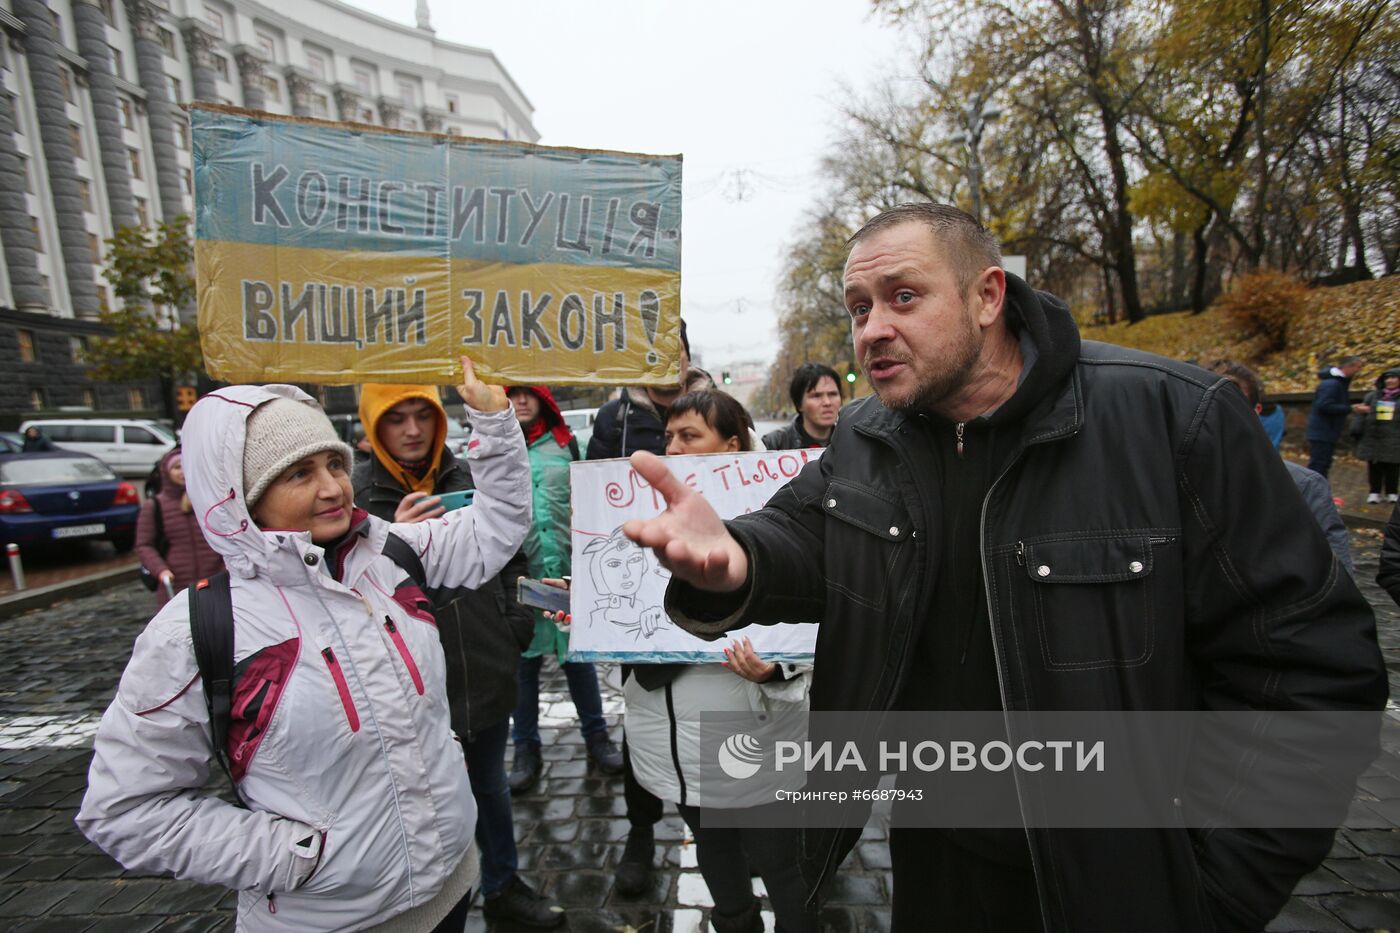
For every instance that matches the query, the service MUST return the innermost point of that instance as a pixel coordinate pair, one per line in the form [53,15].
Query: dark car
[49,498]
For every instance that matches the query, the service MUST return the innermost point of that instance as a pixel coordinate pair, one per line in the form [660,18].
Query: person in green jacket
[552,448]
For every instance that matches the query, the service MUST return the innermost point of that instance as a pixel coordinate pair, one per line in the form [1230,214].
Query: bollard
[16,568]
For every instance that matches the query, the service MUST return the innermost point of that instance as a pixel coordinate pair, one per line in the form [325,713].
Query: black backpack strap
[402,553]
[573,448]
[211,628]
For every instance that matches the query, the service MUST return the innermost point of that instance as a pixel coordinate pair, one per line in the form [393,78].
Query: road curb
[44,596]
[1356,520]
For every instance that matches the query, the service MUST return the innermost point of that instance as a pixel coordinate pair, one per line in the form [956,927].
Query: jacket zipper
[959,429]
[997,649]
[394,633]
[343,688]
[675,745]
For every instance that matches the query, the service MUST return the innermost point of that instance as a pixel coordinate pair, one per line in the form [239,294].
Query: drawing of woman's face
[621,570]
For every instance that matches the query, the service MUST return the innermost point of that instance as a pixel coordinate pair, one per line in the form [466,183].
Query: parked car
[580,421]
[11,442]
[457,437]
[129,447]
[48,498]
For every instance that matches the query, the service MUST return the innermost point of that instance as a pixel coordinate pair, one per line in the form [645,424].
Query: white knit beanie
[280,433]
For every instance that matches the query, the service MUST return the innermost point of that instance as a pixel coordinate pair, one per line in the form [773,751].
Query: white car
[129,447]
[580,421]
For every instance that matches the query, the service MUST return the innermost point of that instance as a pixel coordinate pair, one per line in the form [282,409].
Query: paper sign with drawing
[619,588]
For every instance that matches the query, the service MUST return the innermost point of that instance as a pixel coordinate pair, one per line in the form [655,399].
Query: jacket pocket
[863,568]
[259,683]
[1093,597]
[397,637]
[352,716]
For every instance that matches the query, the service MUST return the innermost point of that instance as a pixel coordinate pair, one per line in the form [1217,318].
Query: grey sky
[748,92]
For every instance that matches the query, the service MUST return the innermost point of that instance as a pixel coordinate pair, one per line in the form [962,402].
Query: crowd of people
[379,658]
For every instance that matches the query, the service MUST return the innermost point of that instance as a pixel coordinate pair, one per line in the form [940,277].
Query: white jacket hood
[212,440]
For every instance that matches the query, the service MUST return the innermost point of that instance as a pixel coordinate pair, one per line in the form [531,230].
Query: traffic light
[851,376]
[725,377]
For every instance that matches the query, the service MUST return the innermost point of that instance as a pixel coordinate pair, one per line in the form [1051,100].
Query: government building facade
[93,137]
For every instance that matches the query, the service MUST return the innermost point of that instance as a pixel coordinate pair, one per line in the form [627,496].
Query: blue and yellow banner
[339,253]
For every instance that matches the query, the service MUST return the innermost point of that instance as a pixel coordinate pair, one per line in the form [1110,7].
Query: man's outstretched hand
[689,539]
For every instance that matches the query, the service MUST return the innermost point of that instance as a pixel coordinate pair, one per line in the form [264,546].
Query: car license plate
[79,531]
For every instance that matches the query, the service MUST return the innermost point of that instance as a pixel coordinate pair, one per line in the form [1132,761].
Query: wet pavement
[61,665]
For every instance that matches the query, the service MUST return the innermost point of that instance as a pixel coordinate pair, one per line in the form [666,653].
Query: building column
[199,46]
[389,113]
[41,54]
[91,26]
[299,88]
[250,74]
[16,234]
[347,103]
[161,113]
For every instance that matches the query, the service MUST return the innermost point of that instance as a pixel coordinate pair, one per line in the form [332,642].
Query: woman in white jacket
[359,810]
[665,704]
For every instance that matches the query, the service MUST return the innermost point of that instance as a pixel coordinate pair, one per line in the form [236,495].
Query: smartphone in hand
[539,595]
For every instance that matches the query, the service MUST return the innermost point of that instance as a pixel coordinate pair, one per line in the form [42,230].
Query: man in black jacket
[816,394]
[1019,521]
[483,631]
[1331,405]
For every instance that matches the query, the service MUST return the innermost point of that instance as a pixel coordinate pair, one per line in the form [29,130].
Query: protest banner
[618,588]
[340,253]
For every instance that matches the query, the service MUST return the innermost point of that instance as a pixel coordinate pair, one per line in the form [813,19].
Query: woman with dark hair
[664,704]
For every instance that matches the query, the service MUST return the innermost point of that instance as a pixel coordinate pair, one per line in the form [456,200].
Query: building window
[36,399]
[128,114]
[77,346]
[38,240]
[136,399]
[134,159]
[177,92]
[109,11]
[95,246]
[26,345]
[167,42]
[268,45]
[65,81]
[216,19]
[75,136]
[118,62]
[454,131]
[142,217]
[220,66]
[408,123]
[364,80]
[271,88]
[320,105]
[28,179]
[85,192]
[104,302]
[316,63]
[90,399]
[452,103]
[57,26]
[366,115]
[182,134]
[408,93]
[187,180]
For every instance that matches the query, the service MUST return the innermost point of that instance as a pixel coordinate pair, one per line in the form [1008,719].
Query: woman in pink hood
[168,540]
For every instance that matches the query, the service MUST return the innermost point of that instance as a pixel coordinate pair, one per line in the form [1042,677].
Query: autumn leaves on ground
[1316,326]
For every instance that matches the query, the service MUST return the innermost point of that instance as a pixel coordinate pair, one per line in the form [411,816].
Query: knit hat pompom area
[280,433]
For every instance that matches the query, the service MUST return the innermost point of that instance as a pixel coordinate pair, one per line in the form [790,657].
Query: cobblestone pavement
[60,667]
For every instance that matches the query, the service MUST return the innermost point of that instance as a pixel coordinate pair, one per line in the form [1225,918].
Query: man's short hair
[969,246]
[1242,376]
[1349,360]
[806,379]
